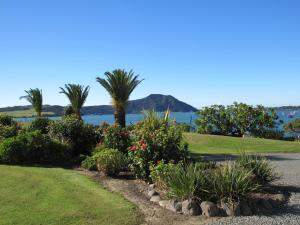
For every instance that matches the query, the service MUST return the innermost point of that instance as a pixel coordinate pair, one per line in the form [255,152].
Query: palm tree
[77,94]
[35,98]
[120,84]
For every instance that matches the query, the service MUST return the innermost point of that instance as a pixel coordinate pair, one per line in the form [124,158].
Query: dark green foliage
[119,84]
[77,95]
[8,131]
[33,148]
[160,171]
[39,123]
[110,161]
[89,163]
[188,181]
[116,137]
[6,120]
[154,140]
[231,183]
[259,166]
[68,111]
[237,120]
[35,98]
[69,130]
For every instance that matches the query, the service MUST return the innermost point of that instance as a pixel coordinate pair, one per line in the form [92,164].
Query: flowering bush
[116,137]
[153,145]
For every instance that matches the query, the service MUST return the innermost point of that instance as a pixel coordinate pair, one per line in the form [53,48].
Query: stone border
[259,204]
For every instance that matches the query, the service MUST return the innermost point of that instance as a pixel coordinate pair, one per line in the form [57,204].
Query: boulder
[163,203]
[155,198]
[231,209]
[152,193]
[191,208]
[174,206]
[151,187]
[209,209]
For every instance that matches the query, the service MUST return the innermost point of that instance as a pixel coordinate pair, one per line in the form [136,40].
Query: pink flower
[133,148]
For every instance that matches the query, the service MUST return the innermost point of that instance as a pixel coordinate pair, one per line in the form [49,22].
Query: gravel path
[289,166]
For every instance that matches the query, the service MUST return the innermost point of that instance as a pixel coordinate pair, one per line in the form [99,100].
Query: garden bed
[164,211]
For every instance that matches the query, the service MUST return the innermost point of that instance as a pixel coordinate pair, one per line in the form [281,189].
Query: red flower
[133,148]
[142,142]
[144,147]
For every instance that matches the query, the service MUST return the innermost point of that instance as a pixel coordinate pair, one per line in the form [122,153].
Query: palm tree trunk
[120,116]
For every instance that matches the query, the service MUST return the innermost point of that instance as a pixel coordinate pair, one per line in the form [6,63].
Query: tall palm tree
[35,98]
[77,94]
[120,84]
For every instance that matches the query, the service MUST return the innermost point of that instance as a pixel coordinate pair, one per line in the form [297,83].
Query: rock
[231,209]
[151,187]
[163,203]
[174,206]
[262,207]
[209,209]
[155,198]
[245,209]
[277,199]
[152,193]
[191,208]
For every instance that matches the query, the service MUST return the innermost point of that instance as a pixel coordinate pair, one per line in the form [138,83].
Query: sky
[202,52]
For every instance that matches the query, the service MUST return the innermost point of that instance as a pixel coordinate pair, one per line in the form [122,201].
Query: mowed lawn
[214,144]
[46,196]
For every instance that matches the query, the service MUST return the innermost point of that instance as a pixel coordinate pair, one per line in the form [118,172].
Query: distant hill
[157,102]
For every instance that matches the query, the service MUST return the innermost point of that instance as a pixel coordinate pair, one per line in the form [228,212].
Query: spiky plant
[77,95]
[120,84]
[35,98]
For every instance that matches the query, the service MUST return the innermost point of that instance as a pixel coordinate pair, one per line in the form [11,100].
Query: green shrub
[89,163]
[259,166]
[187,182]
[159,172]
[33,148]
[69,130]
[231,183]
[152,145]
[7,120]
[39,123]
[110,161]
[116,137]
[8,131]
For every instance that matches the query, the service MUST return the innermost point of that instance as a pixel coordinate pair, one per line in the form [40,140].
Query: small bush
[7,120]
[69,130]
[110,161]
[259,166]
[159,172]
[231,183]
[39,123]
[148,145]
[8,131]
[116,137]
[187,182]
[33,148]
[89,163]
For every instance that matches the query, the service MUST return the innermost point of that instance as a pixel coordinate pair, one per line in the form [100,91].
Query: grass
[213,144]
[24,113]
[54,196]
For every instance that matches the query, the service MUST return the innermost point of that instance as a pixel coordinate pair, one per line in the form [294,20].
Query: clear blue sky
[202,52]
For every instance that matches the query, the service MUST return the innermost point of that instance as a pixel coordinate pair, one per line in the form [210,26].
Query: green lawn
[46,196]
[25,113]
[213,144]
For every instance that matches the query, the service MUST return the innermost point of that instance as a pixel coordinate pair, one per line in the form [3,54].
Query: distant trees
[293,126]
[237,120]
[77,95]
[35,98]
[120,84]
